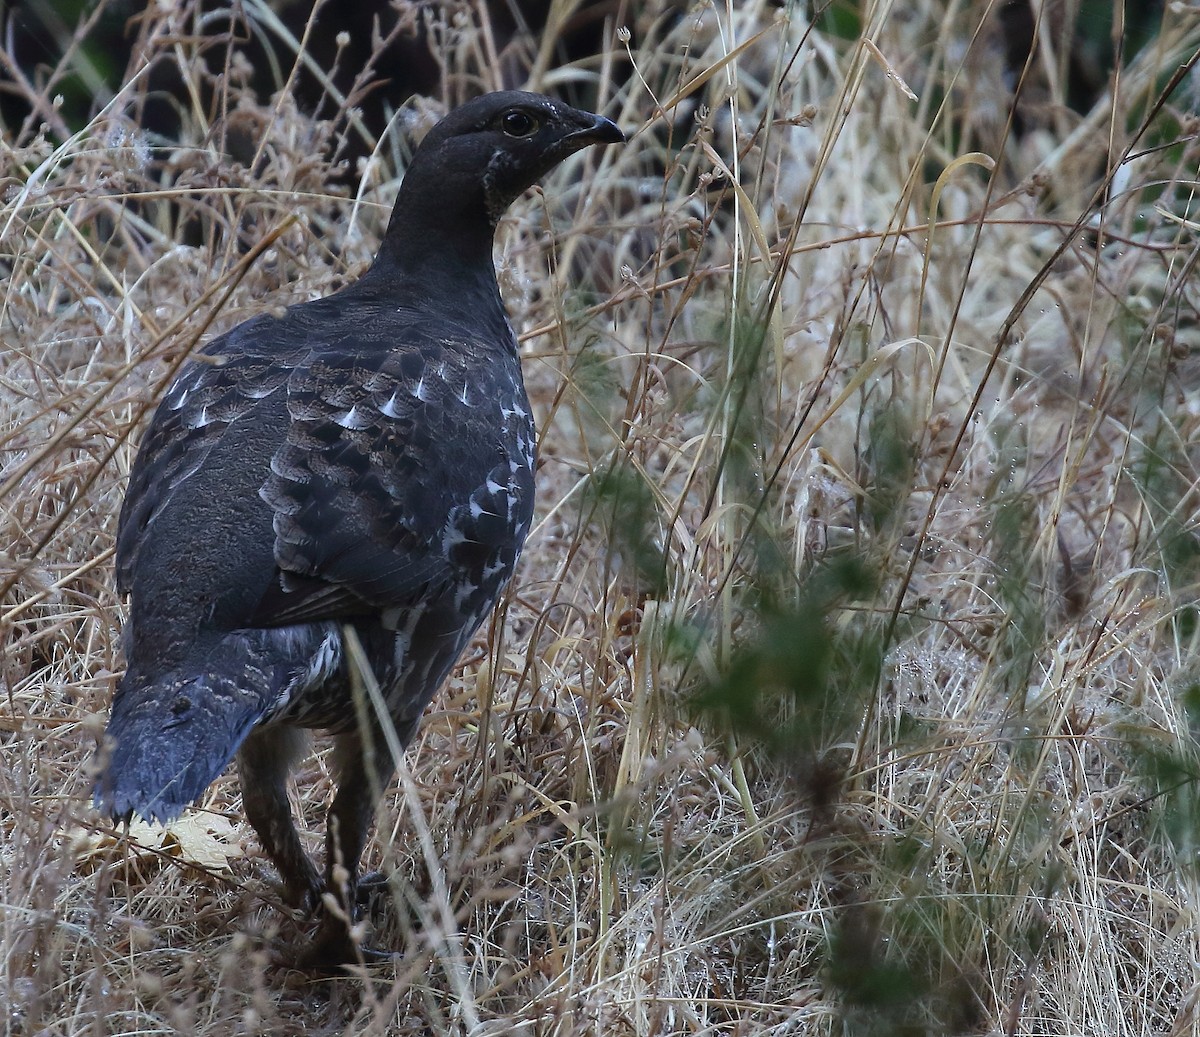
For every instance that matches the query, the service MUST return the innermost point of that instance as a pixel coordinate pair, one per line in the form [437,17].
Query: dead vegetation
[847,684]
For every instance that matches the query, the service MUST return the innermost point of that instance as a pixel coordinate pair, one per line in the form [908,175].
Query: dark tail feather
[169,738]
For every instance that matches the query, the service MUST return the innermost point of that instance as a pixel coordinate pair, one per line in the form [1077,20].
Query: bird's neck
[440,239]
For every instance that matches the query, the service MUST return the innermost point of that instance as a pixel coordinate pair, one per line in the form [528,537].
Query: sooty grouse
[364,459]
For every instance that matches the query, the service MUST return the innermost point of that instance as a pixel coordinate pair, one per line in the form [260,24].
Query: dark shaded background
[100,38]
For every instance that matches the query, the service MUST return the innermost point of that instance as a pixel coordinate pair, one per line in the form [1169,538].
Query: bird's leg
[362,767]
[263,764]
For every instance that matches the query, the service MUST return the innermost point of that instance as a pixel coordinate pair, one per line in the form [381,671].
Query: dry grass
[888,453]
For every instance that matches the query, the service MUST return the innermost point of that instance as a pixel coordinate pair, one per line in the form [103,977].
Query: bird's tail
[170,735]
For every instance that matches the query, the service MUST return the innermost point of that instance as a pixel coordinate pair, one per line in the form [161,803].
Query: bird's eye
[518,123]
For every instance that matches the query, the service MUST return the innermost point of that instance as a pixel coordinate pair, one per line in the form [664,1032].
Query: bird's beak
[602,131]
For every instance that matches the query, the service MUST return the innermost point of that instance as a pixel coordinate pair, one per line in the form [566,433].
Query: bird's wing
[383,447]
[397,480]
[210,394]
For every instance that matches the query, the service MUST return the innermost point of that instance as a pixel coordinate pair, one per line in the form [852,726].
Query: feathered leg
[363,768]
[264,761]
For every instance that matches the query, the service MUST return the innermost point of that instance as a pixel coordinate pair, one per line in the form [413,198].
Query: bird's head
[500,144]
[470,168]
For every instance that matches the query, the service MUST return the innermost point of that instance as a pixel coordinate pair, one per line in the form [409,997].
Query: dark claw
[371,887]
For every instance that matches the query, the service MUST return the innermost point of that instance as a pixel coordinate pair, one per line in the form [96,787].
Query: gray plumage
[363,459]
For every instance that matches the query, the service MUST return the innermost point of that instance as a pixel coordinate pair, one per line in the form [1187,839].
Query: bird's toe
[370,890]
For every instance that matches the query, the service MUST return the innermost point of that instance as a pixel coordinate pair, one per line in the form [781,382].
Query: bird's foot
[299,885]
[338,947]
[303,894]
[371,888]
